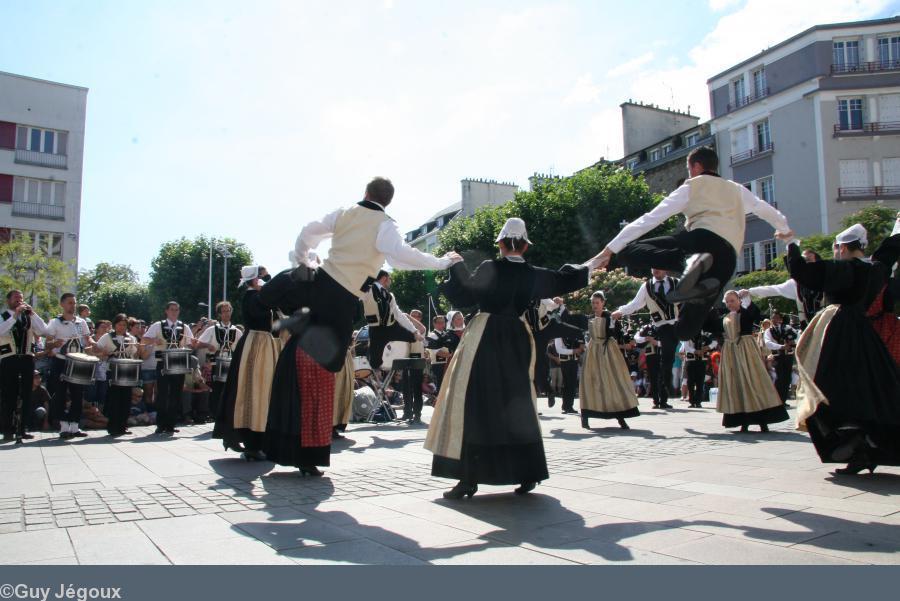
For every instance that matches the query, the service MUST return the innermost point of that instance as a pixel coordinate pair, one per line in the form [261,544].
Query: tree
[41,278]
[130,298]
[618,286]
[180,270]
[92,281]
[878,221]
[569,220]
[767,278]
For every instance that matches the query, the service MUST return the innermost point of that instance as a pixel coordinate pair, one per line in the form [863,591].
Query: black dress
[854,385]
[245,396]
[485,428]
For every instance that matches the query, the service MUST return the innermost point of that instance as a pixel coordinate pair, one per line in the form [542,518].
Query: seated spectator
[429,390]
[195,396]
[140,414]
[40,402]
[91,417]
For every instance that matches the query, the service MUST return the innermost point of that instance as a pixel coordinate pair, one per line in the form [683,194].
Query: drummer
[117,344]
[167,334]
[66,334]
[220,340]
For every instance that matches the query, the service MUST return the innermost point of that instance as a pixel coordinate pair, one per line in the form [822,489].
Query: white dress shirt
[155,331]
[68,330]
[209,336]
[38,326]
[389,242]
[675,203]
[400,317]
[562,349]
[640,300]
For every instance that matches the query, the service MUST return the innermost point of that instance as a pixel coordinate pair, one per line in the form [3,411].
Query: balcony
[873,67]
[41,159]
[870,193]
[742,102]
[38,210]
[752,154]
[876,128]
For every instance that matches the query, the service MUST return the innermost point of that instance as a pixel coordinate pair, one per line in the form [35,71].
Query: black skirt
[502,441]
[224,428]
[861,381]
[772,415]
[633,412]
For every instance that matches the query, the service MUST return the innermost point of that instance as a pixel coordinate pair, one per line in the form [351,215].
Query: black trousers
[412,393]
[118,405]
[696,375]
[570,383]
[437,373]
[15,382]
[168,400]
[668,344]
[381,336]
[653,375]
[62,392]
[784,371]
[670,253]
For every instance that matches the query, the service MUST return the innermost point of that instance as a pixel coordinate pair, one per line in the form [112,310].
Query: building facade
[41,156]
[476,193]
[812,125]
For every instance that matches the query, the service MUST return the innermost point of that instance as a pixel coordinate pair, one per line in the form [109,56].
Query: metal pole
[209,290]
[225,274]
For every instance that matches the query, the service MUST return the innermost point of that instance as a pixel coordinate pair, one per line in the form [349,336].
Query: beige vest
[715,204]
[353,257]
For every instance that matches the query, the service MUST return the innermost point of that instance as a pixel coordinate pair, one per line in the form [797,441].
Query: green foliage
[92,282]
[569,220]
[618,286]
[819,243]
[130,298]
[878,221]
[767,278]
[40,278]
[180,270]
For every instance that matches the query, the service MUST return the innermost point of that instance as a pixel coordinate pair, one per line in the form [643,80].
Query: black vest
[19,331]
[222,333]
[172,336]
[665,306]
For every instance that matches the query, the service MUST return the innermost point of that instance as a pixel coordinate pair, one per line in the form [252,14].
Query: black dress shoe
[462,489]
[79,434]
[856,465]
[622,424]
[253,456]
[311,470]
[526,488]
[763,428]
[745,428]
[27,436]
[551,401]
[584,422]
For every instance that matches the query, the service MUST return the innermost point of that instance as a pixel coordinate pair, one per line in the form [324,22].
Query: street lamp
[225,255]
[222,248]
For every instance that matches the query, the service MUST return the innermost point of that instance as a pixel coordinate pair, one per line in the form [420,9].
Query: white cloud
[720,5]
[630,66]
[584,91]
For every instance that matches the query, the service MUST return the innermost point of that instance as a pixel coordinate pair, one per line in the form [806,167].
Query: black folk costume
[485,427]
[244,406]
[17,335]
[781,341]
[386,323]
[746,393]
[67,396]
[543,317]
[224,337]
[715,209]
[809,302]
[849,394]
[301,412]
[606,391]
[696,356]
[118,400]
[168,386]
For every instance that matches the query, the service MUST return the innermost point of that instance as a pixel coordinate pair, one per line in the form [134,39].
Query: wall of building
[49,105]
[483,193]
[643,126]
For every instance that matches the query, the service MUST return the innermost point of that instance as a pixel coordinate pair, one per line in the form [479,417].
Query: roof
[456,206]
[814,28]
[666,139]
[55,83]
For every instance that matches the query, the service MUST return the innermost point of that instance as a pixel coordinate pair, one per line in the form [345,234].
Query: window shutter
[61,142]
[21,137]
[6,188]
[7,135]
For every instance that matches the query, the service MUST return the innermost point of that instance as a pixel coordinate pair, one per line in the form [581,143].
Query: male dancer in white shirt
[715,210]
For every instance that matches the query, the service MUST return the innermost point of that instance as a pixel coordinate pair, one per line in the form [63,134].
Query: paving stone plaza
[675,489]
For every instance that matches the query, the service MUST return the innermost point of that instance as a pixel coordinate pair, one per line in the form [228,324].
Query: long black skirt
[772,415]
[283,440]
[224,428]
[502,442]
[861,381]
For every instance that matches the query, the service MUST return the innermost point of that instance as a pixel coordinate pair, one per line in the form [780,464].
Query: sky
[250,119]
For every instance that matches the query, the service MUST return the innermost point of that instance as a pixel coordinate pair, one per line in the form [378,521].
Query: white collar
[515,258]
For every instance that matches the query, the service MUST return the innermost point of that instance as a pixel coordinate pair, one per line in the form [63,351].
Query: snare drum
[221,367]
[362,369]
[124,372]
[176,361]
[394,350]
[80,369]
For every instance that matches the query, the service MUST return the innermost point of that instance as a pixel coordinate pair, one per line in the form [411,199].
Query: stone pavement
[676,489]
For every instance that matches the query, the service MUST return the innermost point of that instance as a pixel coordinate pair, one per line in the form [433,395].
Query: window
[889,52]
[850,113]
[692,139]
[749,257]
[41,140]
[770,253]
[740,93]
[39,191]
[765,188]
[48,243]
[632,164]
[846,54]
[855,173]
[763,138]
[667,149]
[890,172]
[759,82]
[749,186]
[654,154]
